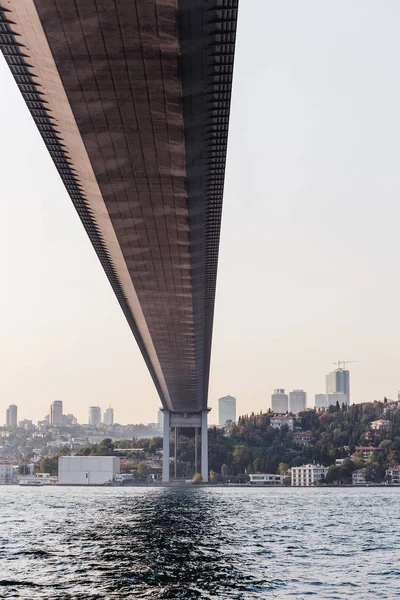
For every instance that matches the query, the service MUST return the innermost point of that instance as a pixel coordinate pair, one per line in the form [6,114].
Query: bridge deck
[132,99]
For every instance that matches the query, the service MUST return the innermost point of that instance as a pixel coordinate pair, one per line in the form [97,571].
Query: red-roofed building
[366,451]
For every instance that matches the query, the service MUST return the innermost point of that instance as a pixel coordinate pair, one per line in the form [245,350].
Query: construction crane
[342,363]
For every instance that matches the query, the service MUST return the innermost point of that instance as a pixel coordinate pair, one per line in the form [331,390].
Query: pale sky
[309,260]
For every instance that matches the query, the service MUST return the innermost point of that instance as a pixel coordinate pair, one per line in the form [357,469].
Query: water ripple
[128,543]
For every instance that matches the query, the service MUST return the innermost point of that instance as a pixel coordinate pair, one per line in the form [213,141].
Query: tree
[333,474]
[375,473]
[224,470]
[213,476]
[241,456]
[142,471]
[106,447]
[197,478]
[283,468]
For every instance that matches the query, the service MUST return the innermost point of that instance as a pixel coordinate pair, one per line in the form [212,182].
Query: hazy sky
[309,260]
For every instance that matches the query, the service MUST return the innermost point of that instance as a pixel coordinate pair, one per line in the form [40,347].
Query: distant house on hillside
[366,451]
[380,424]
[278,421]
[302,438]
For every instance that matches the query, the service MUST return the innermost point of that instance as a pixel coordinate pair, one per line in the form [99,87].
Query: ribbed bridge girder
[132,99]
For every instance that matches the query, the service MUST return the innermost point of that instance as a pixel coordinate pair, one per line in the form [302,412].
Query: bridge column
[166,444]
[204,445]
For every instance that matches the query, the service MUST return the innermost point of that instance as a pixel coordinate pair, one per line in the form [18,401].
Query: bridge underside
[132,99]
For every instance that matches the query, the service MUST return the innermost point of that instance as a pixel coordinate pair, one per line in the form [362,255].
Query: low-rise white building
[87,470]
[308,475]
[358,477]
[380,424]
[8,474]
[394,474]
[266,479]
[278,421]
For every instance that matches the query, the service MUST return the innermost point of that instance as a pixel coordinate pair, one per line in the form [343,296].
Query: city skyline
[329,118]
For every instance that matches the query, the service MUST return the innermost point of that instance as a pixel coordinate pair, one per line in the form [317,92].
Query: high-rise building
[320,401]
[12,416]
[109,416]
[279,401]
[56,413]
[94,415]
[70,420]
[338,382]
[337,397]
[226,410]
[297,401]
[160,420]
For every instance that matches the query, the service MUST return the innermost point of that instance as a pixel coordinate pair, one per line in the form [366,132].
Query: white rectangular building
[266,479]
[279,401]
[308,475]
[226,410]
[87,470]
[8,474]
[358,477]
[277,422]
[297,401]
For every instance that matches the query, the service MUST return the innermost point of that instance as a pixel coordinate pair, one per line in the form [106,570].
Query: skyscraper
[12,416]
[109,416]
[279,401]
[336,398]
[297,401]
[56,413]
[338,382]
[226,410]
[160,420]
[320,401]
[94,415]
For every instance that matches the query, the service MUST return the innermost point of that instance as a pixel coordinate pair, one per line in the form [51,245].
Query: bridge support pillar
[204,445]
[166,445]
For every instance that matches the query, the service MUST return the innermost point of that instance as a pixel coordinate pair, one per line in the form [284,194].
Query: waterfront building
[226,410]
[8,474]
[56,413]
[338,382]
[279,401]
[380,424]
[337,397]
[12,416]
[297,401]
[320,401]
[87,470]
[266,479]
[308,475]
[94,415]
[359,477]
[394,474]
[109,416]
[277,422]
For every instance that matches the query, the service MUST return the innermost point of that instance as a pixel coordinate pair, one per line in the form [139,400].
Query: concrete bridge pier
[172,420]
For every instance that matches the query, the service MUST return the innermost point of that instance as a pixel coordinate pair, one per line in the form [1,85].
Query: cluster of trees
[253,446]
